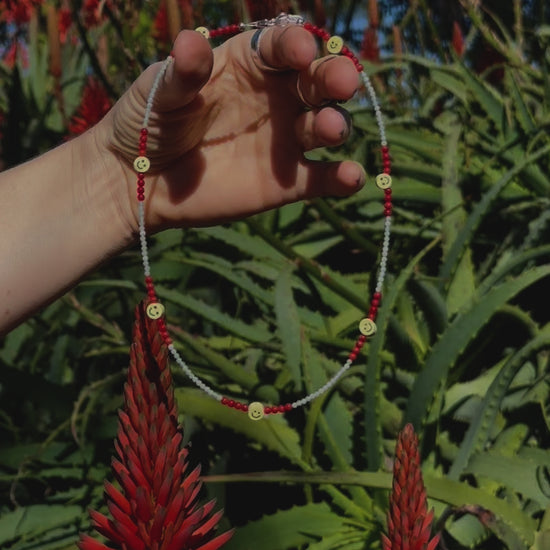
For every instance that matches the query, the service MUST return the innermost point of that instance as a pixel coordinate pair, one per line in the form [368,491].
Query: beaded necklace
[367,325]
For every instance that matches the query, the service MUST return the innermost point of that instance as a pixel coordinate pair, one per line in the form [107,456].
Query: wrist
[108,185]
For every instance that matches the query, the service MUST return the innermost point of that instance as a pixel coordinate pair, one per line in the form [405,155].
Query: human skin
[226,139]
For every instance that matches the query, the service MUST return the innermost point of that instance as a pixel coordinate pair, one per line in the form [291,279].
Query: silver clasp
[285,19]
[281,20]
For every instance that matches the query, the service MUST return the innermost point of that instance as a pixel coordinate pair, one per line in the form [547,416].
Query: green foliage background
[267,309]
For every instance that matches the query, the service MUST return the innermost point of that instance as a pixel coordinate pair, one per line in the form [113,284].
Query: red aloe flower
[156,506]
[65,23]
[17,11]
[94,105]
[409,522]
[457,41]
[370,49]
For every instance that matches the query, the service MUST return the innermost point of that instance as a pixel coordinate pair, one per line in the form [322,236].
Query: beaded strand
[155,310]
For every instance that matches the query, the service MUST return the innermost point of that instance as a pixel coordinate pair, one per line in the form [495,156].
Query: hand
[227,135]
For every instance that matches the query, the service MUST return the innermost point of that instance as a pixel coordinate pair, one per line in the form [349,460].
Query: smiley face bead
[204,31]
[383,181]
[142,164]
[255,411]
[335,44]
[155,310]
[367,327]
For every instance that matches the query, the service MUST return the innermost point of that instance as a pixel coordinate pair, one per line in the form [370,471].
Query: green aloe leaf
[288,324]
[465,236]
[288,529]
[455,339]
[461,287]
[480,429]
[516,473]
[254,333]
[452,493]
[373,429]
[251,245]
[32,521]
[489,99]
[523,114]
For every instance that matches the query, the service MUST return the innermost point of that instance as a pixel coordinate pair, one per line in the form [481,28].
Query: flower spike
[409,522]
[155,506]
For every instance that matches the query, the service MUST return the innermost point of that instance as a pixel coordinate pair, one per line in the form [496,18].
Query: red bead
[377,295]
[141,197]
[360,68]
[288,407]
[144,131]
[224,400]
[362,339]
[325,35]
[352,356]
[387,192]
[375,302]
[267,410]
[357,349]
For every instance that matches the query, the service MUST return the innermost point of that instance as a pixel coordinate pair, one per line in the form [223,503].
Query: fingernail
[361,180]
[347,123]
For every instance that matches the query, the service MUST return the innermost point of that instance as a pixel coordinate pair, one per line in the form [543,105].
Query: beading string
[367,325]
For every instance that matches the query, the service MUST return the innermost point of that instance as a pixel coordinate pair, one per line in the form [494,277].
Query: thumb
[188,73]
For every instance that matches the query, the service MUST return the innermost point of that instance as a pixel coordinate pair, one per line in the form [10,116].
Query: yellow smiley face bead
[255,411]
[335,44]
[367,327]
[383,181]
[204,31]
[142,164]
[155,310]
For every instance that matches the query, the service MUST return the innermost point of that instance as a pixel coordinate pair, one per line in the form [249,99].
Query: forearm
[60,217]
